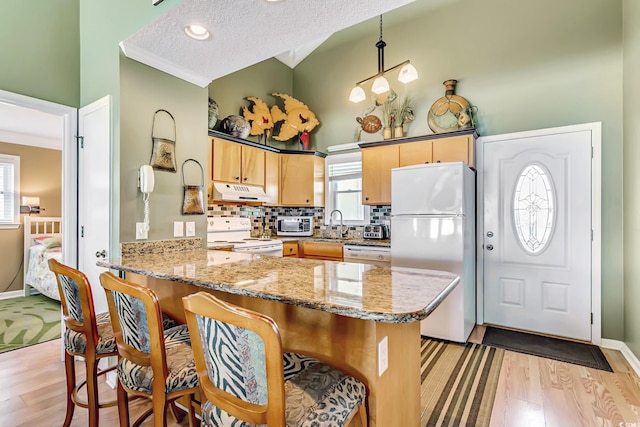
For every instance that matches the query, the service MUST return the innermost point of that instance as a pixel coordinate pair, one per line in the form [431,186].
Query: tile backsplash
[268,215]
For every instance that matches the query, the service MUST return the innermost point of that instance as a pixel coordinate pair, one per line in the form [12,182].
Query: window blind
[8,207]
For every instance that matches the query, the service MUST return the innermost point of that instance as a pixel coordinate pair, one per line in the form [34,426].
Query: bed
[42,241]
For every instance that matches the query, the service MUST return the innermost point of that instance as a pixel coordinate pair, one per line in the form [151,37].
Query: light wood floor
[532,391]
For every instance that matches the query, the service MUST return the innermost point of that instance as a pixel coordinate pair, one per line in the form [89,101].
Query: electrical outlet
[191,228]
[383,356]
[141,231]
[178,228]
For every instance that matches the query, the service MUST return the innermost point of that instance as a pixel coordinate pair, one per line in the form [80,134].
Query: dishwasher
[376,255]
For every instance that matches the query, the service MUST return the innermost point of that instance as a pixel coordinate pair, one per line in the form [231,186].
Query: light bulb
[357,94]
[408,73]
[380,85]
[197,32]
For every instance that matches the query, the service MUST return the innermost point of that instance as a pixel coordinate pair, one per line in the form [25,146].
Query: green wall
[260,81]
[524,68]
[144,90]
[40,49]
[631,174]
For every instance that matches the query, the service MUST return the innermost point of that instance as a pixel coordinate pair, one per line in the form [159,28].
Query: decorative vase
[398,132]
[386,133]
[451,112]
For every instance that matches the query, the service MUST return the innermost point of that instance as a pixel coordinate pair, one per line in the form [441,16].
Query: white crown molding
[626,352]
[131,51]
[293,57]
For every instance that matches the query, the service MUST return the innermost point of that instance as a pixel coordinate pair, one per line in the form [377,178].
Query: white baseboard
[626,352]
[12,294]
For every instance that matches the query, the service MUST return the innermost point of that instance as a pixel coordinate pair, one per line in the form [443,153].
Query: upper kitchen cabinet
[301,180]
[272,176]
[378,158]
[237,163]
[377,163]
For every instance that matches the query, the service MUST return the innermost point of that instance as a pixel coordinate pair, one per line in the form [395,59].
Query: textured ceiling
[243,33]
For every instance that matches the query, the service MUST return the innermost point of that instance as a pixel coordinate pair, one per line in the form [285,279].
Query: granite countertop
[385,294]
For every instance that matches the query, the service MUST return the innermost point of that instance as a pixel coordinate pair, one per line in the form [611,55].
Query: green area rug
[28,320]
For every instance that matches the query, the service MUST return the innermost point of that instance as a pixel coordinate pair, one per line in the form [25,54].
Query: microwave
[294,226]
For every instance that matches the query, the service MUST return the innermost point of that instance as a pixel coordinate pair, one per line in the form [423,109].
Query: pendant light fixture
[408,73]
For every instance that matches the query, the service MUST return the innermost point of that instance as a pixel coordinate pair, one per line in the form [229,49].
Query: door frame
[69,117]
[596,215]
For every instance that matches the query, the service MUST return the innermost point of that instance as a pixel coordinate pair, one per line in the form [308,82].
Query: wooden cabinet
[290,249]
[237,163]
[415,153]
[321,250]
[379,158]
[377,163]
[272,176]
[301,180]
[455,149]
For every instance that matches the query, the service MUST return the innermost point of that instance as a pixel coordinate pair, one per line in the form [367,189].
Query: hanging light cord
[380,45]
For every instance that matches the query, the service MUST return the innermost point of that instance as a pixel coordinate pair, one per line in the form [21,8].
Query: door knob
[101,254]
[489,233]
[489,247]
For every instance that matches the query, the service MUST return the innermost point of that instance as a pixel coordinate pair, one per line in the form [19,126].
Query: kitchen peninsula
[344,313]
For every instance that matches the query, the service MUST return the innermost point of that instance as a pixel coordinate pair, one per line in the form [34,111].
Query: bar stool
[153,363]
[246,378]
[87,335]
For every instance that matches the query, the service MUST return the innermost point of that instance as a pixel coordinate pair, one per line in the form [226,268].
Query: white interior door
[537,233]
[94,192]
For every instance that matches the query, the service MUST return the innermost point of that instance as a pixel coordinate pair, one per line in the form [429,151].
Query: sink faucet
[342,232]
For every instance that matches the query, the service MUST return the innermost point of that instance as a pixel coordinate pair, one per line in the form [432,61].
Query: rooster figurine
[298,119]
[260,118]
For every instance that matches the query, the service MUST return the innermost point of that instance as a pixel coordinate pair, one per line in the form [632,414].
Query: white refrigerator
[433,227]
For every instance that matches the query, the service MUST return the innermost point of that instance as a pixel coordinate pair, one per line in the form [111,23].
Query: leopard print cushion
[315,395]
[182,369]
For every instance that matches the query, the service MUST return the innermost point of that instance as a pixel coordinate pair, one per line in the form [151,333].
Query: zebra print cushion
[76,342]
[182,369]
[133,321]
[314,392]
[71,294]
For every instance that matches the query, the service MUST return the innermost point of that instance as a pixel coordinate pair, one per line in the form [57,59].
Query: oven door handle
[258,250]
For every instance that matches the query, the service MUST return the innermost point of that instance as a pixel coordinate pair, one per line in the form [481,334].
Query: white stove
[237,231]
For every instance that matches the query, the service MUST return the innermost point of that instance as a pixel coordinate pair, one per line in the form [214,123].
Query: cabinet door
[377,163]
[272,176]
[454,149]
[321,250]
[318,181]
[252,171]
[290,249]
[226,161]
[296,180]
[416,153]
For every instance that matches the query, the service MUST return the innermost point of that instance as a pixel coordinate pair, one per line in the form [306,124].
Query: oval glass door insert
[534,208]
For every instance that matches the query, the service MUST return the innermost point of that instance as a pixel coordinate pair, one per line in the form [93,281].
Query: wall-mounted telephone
[146,179]
[146,182]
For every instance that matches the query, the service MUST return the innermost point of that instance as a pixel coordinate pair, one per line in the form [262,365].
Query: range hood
[238,193]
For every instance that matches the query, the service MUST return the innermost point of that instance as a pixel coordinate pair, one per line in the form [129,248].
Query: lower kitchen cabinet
[320,250]
[290,249]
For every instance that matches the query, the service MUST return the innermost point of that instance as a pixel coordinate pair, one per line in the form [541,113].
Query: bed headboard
[35,226]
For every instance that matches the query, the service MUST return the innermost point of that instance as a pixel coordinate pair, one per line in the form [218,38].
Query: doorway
[539,231]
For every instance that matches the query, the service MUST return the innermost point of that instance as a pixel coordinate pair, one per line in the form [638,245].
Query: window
[344,189]
[9,191]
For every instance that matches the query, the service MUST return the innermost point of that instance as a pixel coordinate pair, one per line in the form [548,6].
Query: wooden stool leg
[363,415]
[160,406]
[178,413]
[123,406]
[70,370]
[92,391]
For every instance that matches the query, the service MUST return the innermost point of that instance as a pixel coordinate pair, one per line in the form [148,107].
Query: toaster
[375,231]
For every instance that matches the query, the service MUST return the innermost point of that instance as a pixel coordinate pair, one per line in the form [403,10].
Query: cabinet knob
[366,198]
[437,161]
[245,178]
[237,178]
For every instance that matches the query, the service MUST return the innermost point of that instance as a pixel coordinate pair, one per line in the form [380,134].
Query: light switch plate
[191,228]
[383,355]
[178,228]
[141,231]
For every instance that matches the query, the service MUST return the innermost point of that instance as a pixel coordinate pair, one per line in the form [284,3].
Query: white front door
[94,192]
[537,232]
